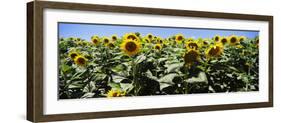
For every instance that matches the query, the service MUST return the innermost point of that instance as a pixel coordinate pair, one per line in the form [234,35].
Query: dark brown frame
[35,60]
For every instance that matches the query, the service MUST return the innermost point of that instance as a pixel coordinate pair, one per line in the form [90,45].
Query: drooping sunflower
[80,60]
[216,38]
[157,46]
[131,36]
[114,37]
[95,40]
[191,57]
[110,44]
[179,38]
[233,40]
[115,93]
[149,36]
[130,47]
[224,40]
[105,40]
[242,38]
[192,45]
[214,50]
[73,55]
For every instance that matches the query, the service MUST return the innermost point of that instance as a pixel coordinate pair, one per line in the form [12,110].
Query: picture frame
[36,60]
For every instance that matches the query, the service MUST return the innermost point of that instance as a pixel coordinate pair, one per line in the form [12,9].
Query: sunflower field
[142,65]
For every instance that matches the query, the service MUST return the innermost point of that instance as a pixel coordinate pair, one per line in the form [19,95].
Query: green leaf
[202,78]
[140,58]
[174,67]
[167,80]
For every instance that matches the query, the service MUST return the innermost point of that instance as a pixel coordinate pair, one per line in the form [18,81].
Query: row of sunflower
[136,65]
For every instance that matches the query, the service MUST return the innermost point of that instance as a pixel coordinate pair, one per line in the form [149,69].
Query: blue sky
[85,31]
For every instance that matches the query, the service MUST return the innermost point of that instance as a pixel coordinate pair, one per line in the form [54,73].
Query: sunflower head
[242,38]
[214,51]
[80,60]
[146,40]
[130,47]
[95,40]
[217,38]
[73,54]
[233,40]
[160,40]
[192,45]
[149,36]
[115,93]
[191,57]
[105,40]
[157,46]
[190,39]
[110,44]
[114,37]
[224,40]
[179,38]
[131,36]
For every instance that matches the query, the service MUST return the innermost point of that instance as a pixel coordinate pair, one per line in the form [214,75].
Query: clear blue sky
[85,31]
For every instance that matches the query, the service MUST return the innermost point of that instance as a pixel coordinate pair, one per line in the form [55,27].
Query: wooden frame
[35,60]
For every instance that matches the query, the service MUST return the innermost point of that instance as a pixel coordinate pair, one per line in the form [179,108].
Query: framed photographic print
[97,61]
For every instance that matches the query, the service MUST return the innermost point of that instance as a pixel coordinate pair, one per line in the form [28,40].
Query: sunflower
[95,40]
[131,36]
[73,54]
[191,57]
[214,51]
[233,40]
[224,40]
[105,40]
[146,39]
[130,47]
[149,36]
[115,93]
[217,38]
[110,44]
[190,39]
[158,46]
[114,37]
[242,38]
[179,38]
[192,45]
[80,60]
[160,40]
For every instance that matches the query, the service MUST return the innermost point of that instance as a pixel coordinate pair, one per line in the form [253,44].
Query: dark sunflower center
[193,46]
[216,38]
[233,40]
[160,41]
[224,40]
[241,39]
[81,60]
[131,46]
[106,40]
[114,38]
[157,47]
[115,94]
[73,55]
[150,36]
[132,37]
[180,38]
[205,42]
[95,41]
[214,51]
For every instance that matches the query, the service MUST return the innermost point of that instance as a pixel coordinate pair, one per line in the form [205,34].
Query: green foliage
[155,72]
